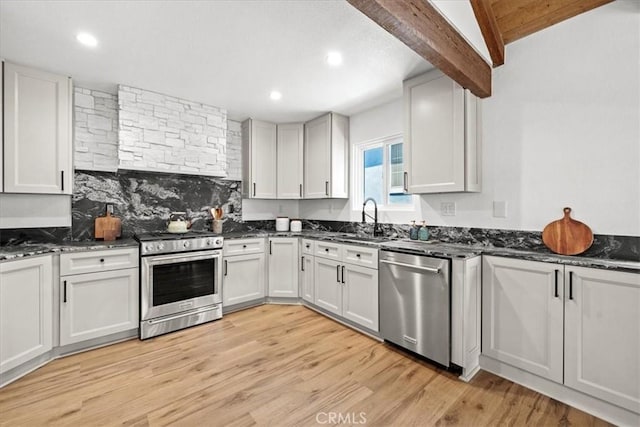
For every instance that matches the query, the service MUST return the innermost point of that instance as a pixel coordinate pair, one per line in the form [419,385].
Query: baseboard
[596,407]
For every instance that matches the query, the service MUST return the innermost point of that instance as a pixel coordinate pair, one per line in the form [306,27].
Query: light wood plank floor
[269,365]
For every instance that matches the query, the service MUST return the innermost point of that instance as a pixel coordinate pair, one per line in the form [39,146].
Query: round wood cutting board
[567,236]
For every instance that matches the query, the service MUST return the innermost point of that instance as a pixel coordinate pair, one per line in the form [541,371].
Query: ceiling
[229,54]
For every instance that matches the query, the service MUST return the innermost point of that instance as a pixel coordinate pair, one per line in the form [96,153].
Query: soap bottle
[423,233]
[413,231]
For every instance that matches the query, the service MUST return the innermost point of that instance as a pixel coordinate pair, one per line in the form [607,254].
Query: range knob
[209,242]
[186,244]
[148,247]
[160,246]
[218,242]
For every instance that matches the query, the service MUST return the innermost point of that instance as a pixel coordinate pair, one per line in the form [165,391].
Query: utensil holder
[216,226]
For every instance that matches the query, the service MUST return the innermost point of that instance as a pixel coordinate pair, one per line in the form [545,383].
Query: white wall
[561,129]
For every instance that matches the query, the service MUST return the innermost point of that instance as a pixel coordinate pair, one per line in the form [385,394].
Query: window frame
[357,167]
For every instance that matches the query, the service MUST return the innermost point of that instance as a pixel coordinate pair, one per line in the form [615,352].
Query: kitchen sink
[372,239]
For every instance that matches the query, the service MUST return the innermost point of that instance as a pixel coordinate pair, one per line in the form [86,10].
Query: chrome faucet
[376,230]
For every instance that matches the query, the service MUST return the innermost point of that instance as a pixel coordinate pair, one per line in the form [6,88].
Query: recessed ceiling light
[275,95]
[334,58]
[87,39]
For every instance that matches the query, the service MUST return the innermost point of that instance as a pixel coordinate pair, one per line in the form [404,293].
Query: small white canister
[296,225]
[282,223]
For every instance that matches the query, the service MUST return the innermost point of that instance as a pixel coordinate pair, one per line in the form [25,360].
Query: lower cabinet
[283,267]
[307,269]
[602,335]
[26,303]
[99,303]
[576,326]
[243,278]
[347,289]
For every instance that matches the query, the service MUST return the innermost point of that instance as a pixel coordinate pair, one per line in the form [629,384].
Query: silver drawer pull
[402,264]
[410,340]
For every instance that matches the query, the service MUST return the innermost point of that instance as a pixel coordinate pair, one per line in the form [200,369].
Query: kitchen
[559,129]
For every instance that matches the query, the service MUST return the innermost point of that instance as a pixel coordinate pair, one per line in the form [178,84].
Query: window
[379,173]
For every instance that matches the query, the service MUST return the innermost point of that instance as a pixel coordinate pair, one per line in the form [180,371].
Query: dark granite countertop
[429,248]
[447,250]
[33,249]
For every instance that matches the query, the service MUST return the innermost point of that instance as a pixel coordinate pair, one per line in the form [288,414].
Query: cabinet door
[37,131]
[327,285]
[360,303]
[259,161]
[306,278]
[434,133]
[26,323]
[339,188]
[290,161]
[522,315]
[283,267]
[317,157]
[98,304]
[243,279]
[602,335]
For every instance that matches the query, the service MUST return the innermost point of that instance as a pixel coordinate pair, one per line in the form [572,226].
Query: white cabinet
[99,294]
[523,315]
[307,263]
[258,159]
[360,295]
[283,267]
[442,130]
[290,161]
[345,282]
[26,303]
[326,157]
[243,278]
[244,271]
[602,335]
[327,285]
[37,131]
[576,326]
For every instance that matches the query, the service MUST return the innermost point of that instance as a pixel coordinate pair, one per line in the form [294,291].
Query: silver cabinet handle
[338,273]
[254,189]
[402,264]
[326,188]
[65,292]
[555,293]
[571,285]
[302,264]
[62,180]
[343,274]
[226,268]
[406,182]
[300,190]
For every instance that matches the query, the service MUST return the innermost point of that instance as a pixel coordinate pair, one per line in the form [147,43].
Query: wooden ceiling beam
[490,30]
[519,18]
[420,26]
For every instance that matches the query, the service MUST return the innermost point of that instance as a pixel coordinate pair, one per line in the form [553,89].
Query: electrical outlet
[500,209]
[448,209]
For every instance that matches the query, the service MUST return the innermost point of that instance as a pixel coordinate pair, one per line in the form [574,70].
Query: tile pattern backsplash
[144,200]
[158,132]
[95,130]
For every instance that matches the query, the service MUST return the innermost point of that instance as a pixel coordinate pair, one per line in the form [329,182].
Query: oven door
[177,283]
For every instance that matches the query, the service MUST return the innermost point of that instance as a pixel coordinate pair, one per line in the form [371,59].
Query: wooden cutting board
[567,236]
[108,227]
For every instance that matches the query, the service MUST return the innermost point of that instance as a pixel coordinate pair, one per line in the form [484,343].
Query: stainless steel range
[180,280]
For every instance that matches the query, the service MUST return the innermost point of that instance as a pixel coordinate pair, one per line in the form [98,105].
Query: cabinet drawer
[329,250]
[243,246]
[308,246]
[360,255]
[95,261]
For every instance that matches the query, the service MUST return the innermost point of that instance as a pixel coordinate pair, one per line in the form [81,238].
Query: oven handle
[173,258]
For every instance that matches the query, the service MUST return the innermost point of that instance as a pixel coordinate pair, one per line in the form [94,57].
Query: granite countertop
[33,249]
[429,248]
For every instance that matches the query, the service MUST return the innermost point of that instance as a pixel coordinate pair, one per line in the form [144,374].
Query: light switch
[500,209]
[448,209]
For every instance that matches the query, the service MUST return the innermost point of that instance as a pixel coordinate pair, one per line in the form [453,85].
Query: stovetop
[163,235]
[169,243]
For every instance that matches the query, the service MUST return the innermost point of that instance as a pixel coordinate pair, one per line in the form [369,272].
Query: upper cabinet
[37,136]
[442,137]
[326,157]
[289,163]
[259,159]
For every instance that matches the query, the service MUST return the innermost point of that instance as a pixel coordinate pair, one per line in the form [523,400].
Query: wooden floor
[270,365]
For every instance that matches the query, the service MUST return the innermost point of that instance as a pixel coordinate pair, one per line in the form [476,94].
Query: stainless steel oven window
[179,282]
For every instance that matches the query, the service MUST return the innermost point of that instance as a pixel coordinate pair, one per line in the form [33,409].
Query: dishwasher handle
[418,267]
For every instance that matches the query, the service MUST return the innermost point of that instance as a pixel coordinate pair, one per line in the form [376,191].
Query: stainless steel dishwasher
[415,304]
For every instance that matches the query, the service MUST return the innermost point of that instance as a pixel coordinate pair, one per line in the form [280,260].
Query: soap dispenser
[423,233]
[413,231]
